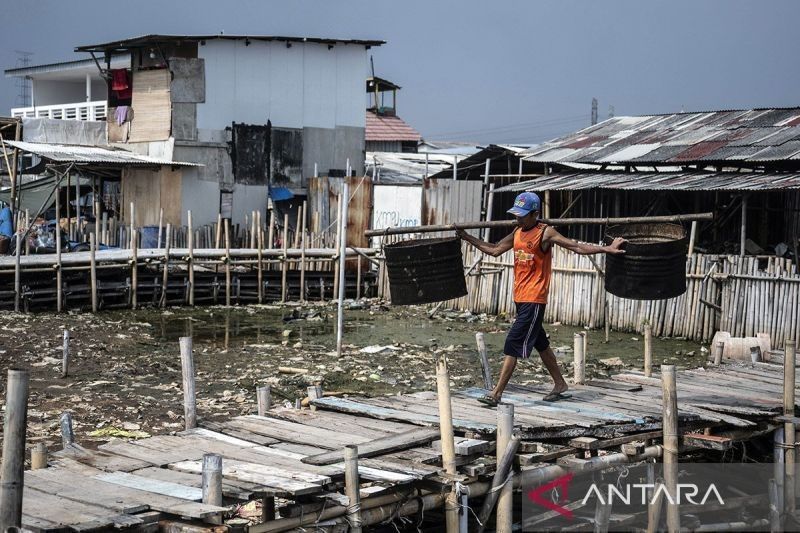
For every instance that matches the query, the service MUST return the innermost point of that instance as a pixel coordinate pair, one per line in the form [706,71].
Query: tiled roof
[387,128]
[755,135]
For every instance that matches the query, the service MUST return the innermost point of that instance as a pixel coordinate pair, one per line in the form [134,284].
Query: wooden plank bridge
[291,459]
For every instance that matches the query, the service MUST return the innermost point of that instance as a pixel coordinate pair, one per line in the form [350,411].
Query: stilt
[39,456]
[670,427]
[59,283]
[448,442]
[648,350]
[190,261]
[790,455]
[284,260]
[487,371]
[579,360]
[303,255]
[134,268]
[165,268]
[212,483]
[13,465]
[264,399]
[187,366]
[504,520]
[227,263]
[65,357]
[341,263]
[93,270]
[352,487]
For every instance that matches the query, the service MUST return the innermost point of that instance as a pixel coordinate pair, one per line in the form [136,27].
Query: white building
[255,111]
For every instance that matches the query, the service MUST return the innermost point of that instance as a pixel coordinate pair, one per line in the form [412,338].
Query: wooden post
[134,267]
[487,372]
[187,366]
[133,220]
[39,456]
[227,263]
[774,507]
[606,316]
[253,227]
[579,360]
[648,350]
[504,466]
[160,224]
[264,399]
[743,234]
[336,246]
[218,233]
[303,255]
[13,466]
[165,268]
[342,255]
[779,466]
[790,456]
[448,441]
[669,403]
[65,357]
[67,433]
[59,288]
[260,276]
[212,483]
[505,503]
[719,350]
[190,261]
[485,232]
[93,270]
[602,514]
[271,232]
[351,487]
[692,238]
[284,260]
[17,273]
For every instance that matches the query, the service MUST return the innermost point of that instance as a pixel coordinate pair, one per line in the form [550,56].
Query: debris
[111,431]
[377,349]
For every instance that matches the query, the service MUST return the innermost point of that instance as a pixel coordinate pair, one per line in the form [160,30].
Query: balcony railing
[78,111]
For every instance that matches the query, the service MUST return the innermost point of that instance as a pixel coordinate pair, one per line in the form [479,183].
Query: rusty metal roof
[104,155]
[743,136]
[660,181]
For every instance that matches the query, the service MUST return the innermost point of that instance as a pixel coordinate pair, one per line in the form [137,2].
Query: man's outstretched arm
[505,244]
[552,236]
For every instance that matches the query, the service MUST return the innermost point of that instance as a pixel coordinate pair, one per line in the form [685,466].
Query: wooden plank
[254,473]
[379,446]
[107,461]
[370,428]
[167,488]
[237,490]
[238,433]
[710,442]
[48,512]
[86,489]
[350,406]
[612,385]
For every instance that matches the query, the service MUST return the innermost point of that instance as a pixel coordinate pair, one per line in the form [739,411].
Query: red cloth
[119,79]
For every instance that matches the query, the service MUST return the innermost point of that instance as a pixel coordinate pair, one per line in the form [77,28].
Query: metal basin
[653,266]
[425,270]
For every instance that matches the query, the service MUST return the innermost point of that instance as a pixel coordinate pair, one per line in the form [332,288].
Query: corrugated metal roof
[660,181]
[681,138]
[107,155]
[389,128]
[148,40]
[117,61]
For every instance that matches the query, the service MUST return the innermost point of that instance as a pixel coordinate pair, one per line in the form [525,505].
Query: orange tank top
[532,266]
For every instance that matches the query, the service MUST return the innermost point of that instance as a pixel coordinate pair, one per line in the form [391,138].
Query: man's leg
[550,363]
[509,364]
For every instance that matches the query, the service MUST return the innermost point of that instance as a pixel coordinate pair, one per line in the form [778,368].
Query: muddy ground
[125,373]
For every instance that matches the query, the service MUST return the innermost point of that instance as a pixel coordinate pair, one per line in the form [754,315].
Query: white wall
[306,85]
[52,92]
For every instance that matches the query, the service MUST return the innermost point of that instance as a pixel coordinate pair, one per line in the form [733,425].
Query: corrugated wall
[449,201]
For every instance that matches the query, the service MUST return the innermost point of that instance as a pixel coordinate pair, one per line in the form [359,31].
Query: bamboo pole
[65,355]
[13,465]
[500,478]
[448,440]
[670,427]
[190,261]
[17,273]
[165,267]
[743,233]
[648,350]
[212,483]
[93,270]
[218,233]
[352,487]
[486,370]
[264,399]
[341,263]
[67,433]
[187,366]
[504,519]
[692,238]
[285,262]
[59,287]
[134,268]
[336,245]
[260,275]
[579,359]
[303,254]
[39,456]
[160,225]
[548,221]
[790,457]
[227,263]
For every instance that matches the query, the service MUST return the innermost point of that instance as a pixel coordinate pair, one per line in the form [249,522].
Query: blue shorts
[527,332]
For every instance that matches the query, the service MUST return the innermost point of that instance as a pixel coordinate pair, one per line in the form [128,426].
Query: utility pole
[594,111]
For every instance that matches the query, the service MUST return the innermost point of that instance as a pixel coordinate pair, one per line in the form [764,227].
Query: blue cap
[525,203]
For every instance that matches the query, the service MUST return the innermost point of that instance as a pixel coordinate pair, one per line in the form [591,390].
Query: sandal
[556,396]
[488,400]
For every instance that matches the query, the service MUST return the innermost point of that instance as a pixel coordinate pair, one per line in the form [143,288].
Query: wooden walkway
[295,455]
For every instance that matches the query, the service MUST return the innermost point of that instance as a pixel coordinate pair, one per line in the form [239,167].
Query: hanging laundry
[119,79]
[123,114]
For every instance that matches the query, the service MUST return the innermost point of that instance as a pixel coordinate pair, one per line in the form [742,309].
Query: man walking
[532,242]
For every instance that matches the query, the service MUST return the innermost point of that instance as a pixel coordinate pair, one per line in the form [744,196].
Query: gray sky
[483,71]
